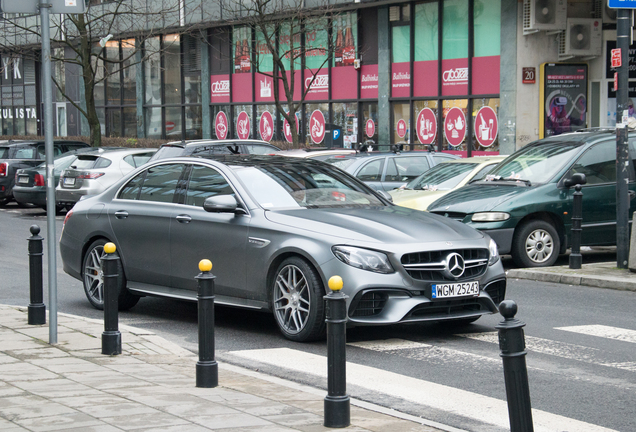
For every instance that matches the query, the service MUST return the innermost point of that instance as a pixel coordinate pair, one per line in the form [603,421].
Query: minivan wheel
[536,244]
[93,278]
[297,301]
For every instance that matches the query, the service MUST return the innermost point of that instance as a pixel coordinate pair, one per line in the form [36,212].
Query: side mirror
[384,194]
[577,178]
[220,204]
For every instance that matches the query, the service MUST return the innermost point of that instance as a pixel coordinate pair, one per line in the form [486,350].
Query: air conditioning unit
[583,37]
[548,15]
[603,12]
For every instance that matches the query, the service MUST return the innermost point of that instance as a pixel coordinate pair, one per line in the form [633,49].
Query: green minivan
[526,207]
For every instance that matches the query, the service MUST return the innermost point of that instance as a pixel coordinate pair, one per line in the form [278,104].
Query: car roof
[11,143]
[476,159]
[251,160]
[194,143]
[116,150]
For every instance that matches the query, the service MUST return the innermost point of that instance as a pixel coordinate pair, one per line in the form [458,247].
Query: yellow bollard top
[110,248]
[205,265]
[335,283]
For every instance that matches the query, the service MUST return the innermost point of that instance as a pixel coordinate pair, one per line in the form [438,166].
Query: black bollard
[207,368]
[37,310]
[512,344]
[576,259]
[111,337]
[337,404]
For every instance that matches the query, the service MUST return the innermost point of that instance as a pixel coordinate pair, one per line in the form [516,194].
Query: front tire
[297,301]
[536,244]
[93,279]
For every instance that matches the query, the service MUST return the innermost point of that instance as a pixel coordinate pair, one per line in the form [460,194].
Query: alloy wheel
[292,299]
[539,246]
[93,274]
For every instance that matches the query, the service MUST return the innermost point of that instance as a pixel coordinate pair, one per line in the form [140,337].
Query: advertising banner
[455,77]
[369,82]
[220,88]
[485,75]
[425,82]
[564,98]
[401,79]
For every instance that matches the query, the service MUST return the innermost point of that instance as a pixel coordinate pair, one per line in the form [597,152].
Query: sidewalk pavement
[599,275]
[71,386]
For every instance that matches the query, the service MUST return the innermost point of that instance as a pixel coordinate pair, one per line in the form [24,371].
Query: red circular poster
[486,126]
[370,128]
[287,130]
[317,126]
[243,125]
[220,125]
[401,128]
[266,126]
[426,126]
[455,126]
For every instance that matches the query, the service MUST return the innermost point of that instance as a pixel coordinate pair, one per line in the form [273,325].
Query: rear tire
[4,201]
[93,279]
[536,243]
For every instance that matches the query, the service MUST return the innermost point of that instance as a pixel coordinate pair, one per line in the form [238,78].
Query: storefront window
[264,58]
[345,119]
[220,119]
[193,118]
[113,82]
[130,122]
[426,31]
[289,44]
[316,38]
[129,74]
[370,125]
[266,127]
[345,38]
[316,125]
[173,123]
[455,126]
[152,71]
[98,66]
[487,28]
[455,30]
[242,37]
[426,133]
[242,123]
[153,122]
[401,125]
[486,125]
[172,69]
[114,122]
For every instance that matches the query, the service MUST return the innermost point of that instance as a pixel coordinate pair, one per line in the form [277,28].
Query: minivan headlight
[490,217]
[494,252]
[364,259]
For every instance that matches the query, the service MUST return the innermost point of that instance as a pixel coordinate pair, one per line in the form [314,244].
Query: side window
[391,171]
[258,149]
[597,163]
[160,183]
[205,182]
[201,151]
[226,149]
[102,162]
[138,160]
[441,158]
[25,153]
[411,167]
[372,171]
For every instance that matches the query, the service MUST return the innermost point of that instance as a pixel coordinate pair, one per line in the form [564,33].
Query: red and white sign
[455,126]
[220,88]
[370,128]
[287,130]
[220,125]
[169,125]
[243,125]
[401,128]
[426,126]
[616,58]
[266,126]
[486,126]
[317,126]
[615,81]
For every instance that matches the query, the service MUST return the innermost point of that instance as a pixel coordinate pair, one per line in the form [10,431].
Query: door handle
[121,214]
[184,219]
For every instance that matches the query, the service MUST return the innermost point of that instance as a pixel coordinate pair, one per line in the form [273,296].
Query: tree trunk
[89,76]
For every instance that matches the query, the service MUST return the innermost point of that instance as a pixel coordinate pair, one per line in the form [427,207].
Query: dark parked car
[525,203]
[24,154]
[390,170]
[276,229]
[213,147]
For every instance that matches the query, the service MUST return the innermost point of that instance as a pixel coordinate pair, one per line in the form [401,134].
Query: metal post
[512,345]
[337,404]
[207,368]
[111,337]
[623,39]
[37,310]
[577,216]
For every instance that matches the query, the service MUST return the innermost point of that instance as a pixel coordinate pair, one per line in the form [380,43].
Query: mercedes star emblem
[454,265]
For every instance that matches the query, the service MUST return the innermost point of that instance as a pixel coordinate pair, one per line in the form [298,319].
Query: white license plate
[459,289]
[69,181]
[23,179]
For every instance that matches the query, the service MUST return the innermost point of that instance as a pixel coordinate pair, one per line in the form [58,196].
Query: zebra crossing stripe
[481,408]
[607,332]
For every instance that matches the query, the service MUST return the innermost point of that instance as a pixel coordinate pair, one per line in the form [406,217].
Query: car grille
[446,308]
[368,303]
[453,215]
[429,266]
[496,291]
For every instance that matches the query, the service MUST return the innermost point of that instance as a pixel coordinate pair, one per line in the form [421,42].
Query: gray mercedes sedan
[276,229]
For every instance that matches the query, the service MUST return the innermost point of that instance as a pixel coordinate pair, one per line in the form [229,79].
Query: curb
[573,277]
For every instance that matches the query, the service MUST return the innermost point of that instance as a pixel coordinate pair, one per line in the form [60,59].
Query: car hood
[477,198]
[416,199]
[389,225]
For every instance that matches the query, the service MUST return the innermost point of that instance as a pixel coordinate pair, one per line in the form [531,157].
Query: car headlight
[494,252]
[490,217]
[364,259]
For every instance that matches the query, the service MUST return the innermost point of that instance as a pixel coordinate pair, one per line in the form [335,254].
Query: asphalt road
[589,377]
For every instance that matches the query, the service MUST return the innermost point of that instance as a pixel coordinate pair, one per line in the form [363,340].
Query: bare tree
[282,28]
[86,37]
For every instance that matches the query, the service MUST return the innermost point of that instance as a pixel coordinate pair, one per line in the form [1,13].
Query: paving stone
[199,408]
[79,402]
[21,371]
[41,408]
[123,408]
[226,421]
[75,420]
[160,420]
[54,388]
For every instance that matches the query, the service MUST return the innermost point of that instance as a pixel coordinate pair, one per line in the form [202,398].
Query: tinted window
[60,164]
[371,171]
[444,176]
[408,168]
[4,152]
[138,160]
[205,182]
[70,147]
[167,152]
[340,161]
[102,162]
[597,163]
[132,188]
[259,149]
[84,162]
[160,183]
[25,153]
[440,157]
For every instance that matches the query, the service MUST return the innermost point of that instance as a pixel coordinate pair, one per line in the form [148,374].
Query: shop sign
[319,88]
[369,82]
[616,58]
[486,126]
[243,125]
[401,79]
[220,88]
[426,126]
[370,128]
[631,63]
[265,127]
[455,126]
[565,105]
[317,126]
[401,128]
[455,76]
[287,130]
[220,125]
[18,113]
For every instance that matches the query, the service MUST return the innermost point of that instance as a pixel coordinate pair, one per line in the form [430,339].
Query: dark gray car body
[161,244]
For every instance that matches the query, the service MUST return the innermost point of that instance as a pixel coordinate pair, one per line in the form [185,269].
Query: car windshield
[535,164]
[167,151]
[285,185]
[444,176]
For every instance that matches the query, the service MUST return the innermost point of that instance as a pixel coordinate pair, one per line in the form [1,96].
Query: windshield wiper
[527,182]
